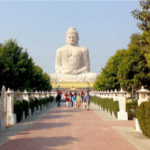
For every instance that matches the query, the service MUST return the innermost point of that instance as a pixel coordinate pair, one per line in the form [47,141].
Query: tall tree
[108,77]
[133,69]
[144,25]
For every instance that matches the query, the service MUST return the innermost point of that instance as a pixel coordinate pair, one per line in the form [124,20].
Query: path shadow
[43,125]
[39,143]
[49,116]
[66,111]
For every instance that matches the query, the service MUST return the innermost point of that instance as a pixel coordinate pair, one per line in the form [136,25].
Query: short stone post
[32,95]
[111,94]
[36,95]
[25,96]
[108,93]
[11,117]
[122,114]
[142,98]
[3,97]
[115,95]
[142,95]
[19,96]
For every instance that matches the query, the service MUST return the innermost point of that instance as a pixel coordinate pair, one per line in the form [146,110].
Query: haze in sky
[40,27]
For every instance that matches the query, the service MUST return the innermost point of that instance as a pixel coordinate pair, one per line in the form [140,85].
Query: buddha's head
[72,36]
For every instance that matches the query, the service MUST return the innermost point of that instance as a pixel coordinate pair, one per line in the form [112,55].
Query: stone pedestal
[113,114]
[2,125]
[23,116]
[29,112]
[122,115]
[137,126]
[11,119]
[35,110]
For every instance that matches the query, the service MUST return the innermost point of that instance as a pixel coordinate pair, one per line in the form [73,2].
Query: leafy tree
[133,69]
[144,25]
[18,71]
[108,78]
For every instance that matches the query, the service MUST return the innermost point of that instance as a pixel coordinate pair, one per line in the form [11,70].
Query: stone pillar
[43,94]
[19,96]
[104,94]
[142,95]
[31,95]
[40,94]
[111,94]
[2,99]
[47,94]
[11,117]
[36,95]
[115,95]
[107,94]
[142,98]
[122,114]
[25,96]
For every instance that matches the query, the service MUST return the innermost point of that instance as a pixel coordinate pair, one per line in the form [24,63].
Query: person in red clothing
[59,92]
[67,99]
[82,96]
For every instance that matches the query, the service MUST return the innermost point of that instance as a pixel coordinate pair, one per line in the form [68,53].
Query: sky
[40,27]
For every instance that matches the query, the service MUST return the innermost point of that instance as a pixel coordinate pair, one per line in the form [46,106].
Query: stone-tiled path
[65,128]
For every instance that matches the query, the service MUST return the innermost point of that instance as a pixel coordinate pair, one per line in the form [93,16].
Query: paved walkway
[64,128]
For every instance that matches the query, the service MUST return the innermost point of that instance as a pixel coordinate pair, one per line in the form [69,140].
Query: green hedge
[19,106]
[36,103]
[131,109]
[107,104]
[31,105]
[25,107]
[18,110]
[143,115]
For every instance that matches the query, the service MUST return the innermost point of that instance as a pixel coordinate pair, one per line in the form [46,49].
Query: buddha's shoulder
[61,49]
[83,49]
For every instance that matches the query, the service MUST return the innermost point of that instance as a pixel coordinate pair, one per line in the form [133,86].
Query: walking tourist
[67,99]
[58,98]
[84,101]
[75,92]
[71,95]
[74,99]
[88,100]
[78,100]
[59,92]
[82,95]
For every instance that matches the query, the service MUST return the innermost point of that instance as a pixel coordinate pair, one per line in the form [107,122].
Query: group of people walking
[76,100]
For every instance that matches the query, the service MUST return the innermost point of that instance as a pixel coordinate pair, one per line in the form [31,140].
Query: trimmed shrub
[36,103]
[51,98]
[31,105]
[131,109]
[115,107]
[25,107]
[143,115]
[106,103]
[18,110]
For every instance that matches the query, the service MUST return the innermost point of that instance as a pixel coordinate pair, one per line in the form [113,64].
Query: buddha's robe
[72,64]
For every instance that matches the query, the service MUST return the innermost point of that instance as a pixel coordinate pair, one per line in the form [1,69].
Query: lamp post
[58,87]
[88,87]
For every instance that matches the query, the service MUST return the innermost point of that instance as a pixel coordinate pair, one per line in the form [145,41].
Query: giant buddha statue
[72,63]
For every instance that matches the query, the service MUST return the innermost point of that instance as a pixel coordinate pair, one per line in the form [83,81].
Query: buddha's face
[72,39]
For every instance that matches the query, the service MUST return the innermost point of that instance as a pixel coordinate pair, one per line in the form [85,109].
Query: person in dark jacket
[58,98]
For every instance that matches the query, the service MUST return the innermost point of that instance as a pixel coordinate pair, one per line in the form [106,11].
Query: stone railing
[121,97]
[143,96]
[7,116]
[116,96]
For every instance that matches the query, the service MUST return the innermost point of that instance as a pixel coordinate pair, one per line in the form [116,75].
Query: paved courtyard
[65,128]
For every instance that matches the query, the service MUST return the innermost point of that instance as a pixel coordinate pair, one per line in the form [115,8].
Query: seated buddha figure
[72,62]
